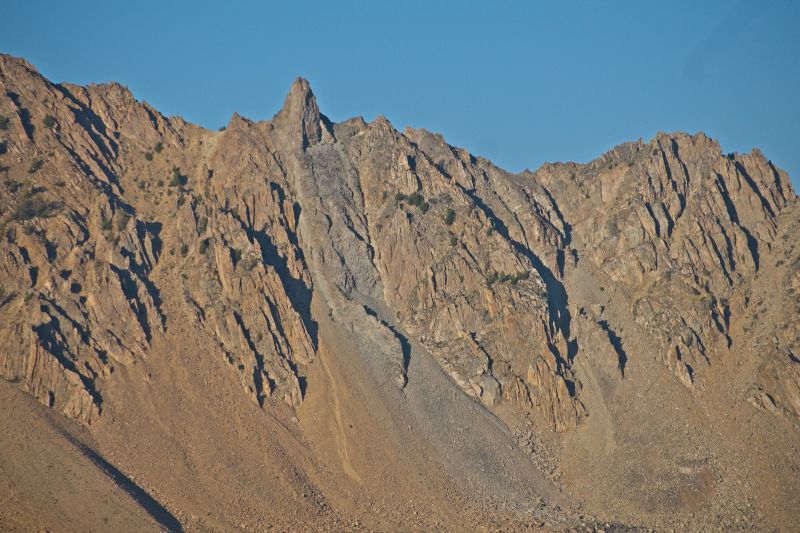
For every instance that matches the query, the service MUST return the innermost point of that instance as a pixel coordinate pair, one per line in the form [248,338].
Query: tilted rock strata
[108,206]
[679,227]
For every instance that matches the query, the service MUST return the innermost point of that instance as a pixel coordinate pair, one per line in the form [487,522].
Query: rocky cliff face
[464,257]
[119,223]
[678,227]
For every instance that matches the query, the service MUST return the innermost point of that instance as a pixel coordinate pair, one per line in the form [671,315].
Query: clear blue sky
[519,82]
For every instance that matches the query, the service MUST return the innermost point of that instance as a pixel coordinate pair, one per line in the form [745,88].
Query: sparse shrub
[122,220]
[236,255]
[516,278]
[12,185]
[106,225]
[415,198]
[158,147]
[49,121]
[202,224]
[489,231]
[453,240]
[160,183]
[250,263]
[450,216]
[4,122]
[35,206]
[148,156]
[178,180]
[184,249]
[35,166]
[203,246]
[60,184]
[181,200]
[513,279]
[687,339]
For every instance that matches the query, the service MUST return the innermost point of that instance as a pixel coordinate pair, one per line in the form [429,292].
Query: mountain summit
[300,115]
[299,324]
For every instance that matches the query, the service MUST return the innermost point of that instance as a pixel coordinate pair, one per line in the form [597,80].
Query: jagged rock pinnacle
[300,115]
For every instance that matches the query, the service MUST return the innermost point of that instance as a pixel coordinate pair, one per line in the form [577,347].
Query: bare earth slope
[306,325]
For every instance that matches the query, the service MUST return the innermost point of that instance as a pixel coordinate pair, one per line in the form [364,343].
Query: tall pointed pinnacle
[300,117]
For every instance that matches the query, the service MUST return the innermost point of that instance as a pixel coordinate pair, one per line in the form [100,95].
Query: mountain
[301,324]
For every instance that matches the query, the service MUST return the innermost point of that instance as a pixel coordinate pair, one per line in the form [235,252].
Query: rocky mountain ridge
[541,295]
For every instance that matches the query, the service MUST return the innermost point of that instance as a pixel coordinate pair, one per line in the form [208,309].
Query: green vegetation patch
[177,179]
[35,166]
[35,206]
[513,279]
[122,220]
[415,198]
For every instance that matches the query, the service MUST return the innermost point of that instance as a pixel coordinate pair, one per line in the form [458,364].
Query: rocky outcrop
[119,222]
[94,197]
[457,266]
[769,325]
[679,227]
[244,269]
[75,257]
